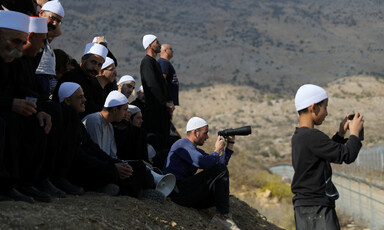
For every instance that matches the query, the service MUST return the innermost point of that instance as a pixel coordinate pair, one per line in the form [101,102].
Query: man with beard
[41,144]
[209,187]
[85,76]
[92,168]
[14,28]
[53,11]
[126,85]
[107,76]
[159,105]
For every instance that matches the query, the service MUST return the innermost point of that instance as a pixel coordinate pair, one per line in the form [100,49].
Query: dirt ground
[98,211]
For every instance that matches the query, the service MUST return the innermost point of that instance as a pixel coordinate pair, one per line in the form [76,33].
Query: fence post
[373,221]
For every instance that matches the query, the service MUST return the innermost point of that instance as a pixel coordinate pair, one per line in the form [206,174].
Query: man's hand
[124,169]
[44,120]
[219,145]
[343,126]
[170,107]
[356,124]
[23,107]
[230,142]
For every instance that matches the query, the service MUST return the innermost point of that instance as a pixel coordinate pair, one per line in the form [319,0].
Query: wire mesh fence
[360,199]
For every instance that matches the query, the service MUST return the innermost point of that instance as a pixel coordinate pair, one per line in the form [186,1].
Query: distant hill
[273,45]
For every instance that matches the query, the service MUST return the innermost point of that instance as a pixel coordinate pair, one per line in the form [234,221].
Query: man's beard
[92,72]
[51,27]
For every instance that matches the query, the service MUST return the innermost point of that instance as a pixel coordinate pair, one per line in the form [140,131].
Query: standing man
[169,72]
[159,105]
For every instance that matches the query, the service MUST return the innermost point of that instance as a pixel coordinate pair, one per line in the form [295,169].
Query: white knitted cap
[309,94]
[115,98]
[108,61]
[126,78]
[148,39]
[133,109]
[54,7]
[93,48]
[195,123]
[67,89]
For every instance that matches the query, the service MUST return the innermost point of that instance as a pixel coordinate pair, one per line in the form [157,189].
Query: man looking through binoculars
[209,187]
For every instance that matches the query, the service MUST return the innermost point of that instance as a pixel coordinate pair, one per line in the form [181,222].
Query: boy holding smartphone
[312,152]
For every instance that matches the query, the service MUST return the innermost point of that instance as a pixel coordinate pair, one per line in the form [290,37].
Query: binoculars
[241,131]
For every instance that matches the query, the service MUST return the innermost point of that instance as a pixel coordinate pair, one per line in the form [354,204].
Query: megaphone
[164,183]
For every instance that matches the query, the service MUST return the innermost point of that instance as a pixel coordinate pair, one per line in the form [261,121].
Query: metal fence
[369,164]
[361,200]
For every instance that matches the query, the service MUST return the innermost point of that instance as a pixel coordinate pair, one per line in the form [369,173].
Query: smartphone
[361,134]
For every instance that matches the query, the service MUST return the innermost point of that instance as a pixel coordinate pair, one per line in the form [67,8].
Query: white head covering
[54,7]
[148,39]
[133,109]
[126,78]
[140,88]
[95,40]
[14,20]
[108,61]
[115,98]
[67,89]
[92,48]
[195,123]
[309,94]
[38,25]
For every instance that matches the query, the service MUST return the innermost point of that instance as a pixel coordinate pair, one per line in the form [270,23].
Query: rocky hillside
[274,46]
[96,211]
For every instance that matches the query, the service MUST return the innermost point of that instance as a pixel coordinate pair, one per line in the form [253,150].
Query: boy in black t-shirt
[312,152]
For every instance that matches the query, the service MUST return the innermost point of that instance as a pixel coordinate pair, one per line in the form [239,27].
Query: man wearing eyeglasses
[53,11]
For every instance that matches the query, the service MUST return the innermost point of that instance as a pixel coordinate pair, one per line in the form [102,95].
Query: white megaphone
[164,183]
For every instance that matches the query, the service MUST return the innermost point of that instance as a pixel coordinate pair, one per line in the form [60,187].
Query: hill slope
[274,46]
[96,211]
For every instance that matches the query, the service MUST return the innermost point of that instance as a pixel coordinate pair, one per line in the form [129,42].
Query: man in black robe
[158,101]
[85,75]
[92,167]
[14,28]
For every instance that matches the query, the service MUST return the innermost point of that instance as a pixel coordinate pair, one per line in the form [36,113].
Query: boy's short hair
[307,95]
[306,109]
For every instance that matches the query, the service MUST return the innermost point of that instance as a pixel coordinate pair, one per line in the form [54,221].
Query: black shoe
[17,196]
[109,189]
[5,198]
[47,187]
[67,187]
[35,193]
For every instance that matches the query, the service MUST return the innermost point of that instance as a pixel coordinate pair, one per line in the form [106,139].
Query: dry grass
[273,120]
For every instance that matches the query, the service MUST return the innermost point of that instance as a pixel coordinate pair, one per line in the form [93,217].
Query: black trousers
[4,175]
[141,179]
[25,151]
[316,218]
[206,189]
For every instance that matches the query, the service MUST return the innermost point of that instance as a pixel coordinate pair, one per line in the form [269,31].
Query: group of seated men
[83,135]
